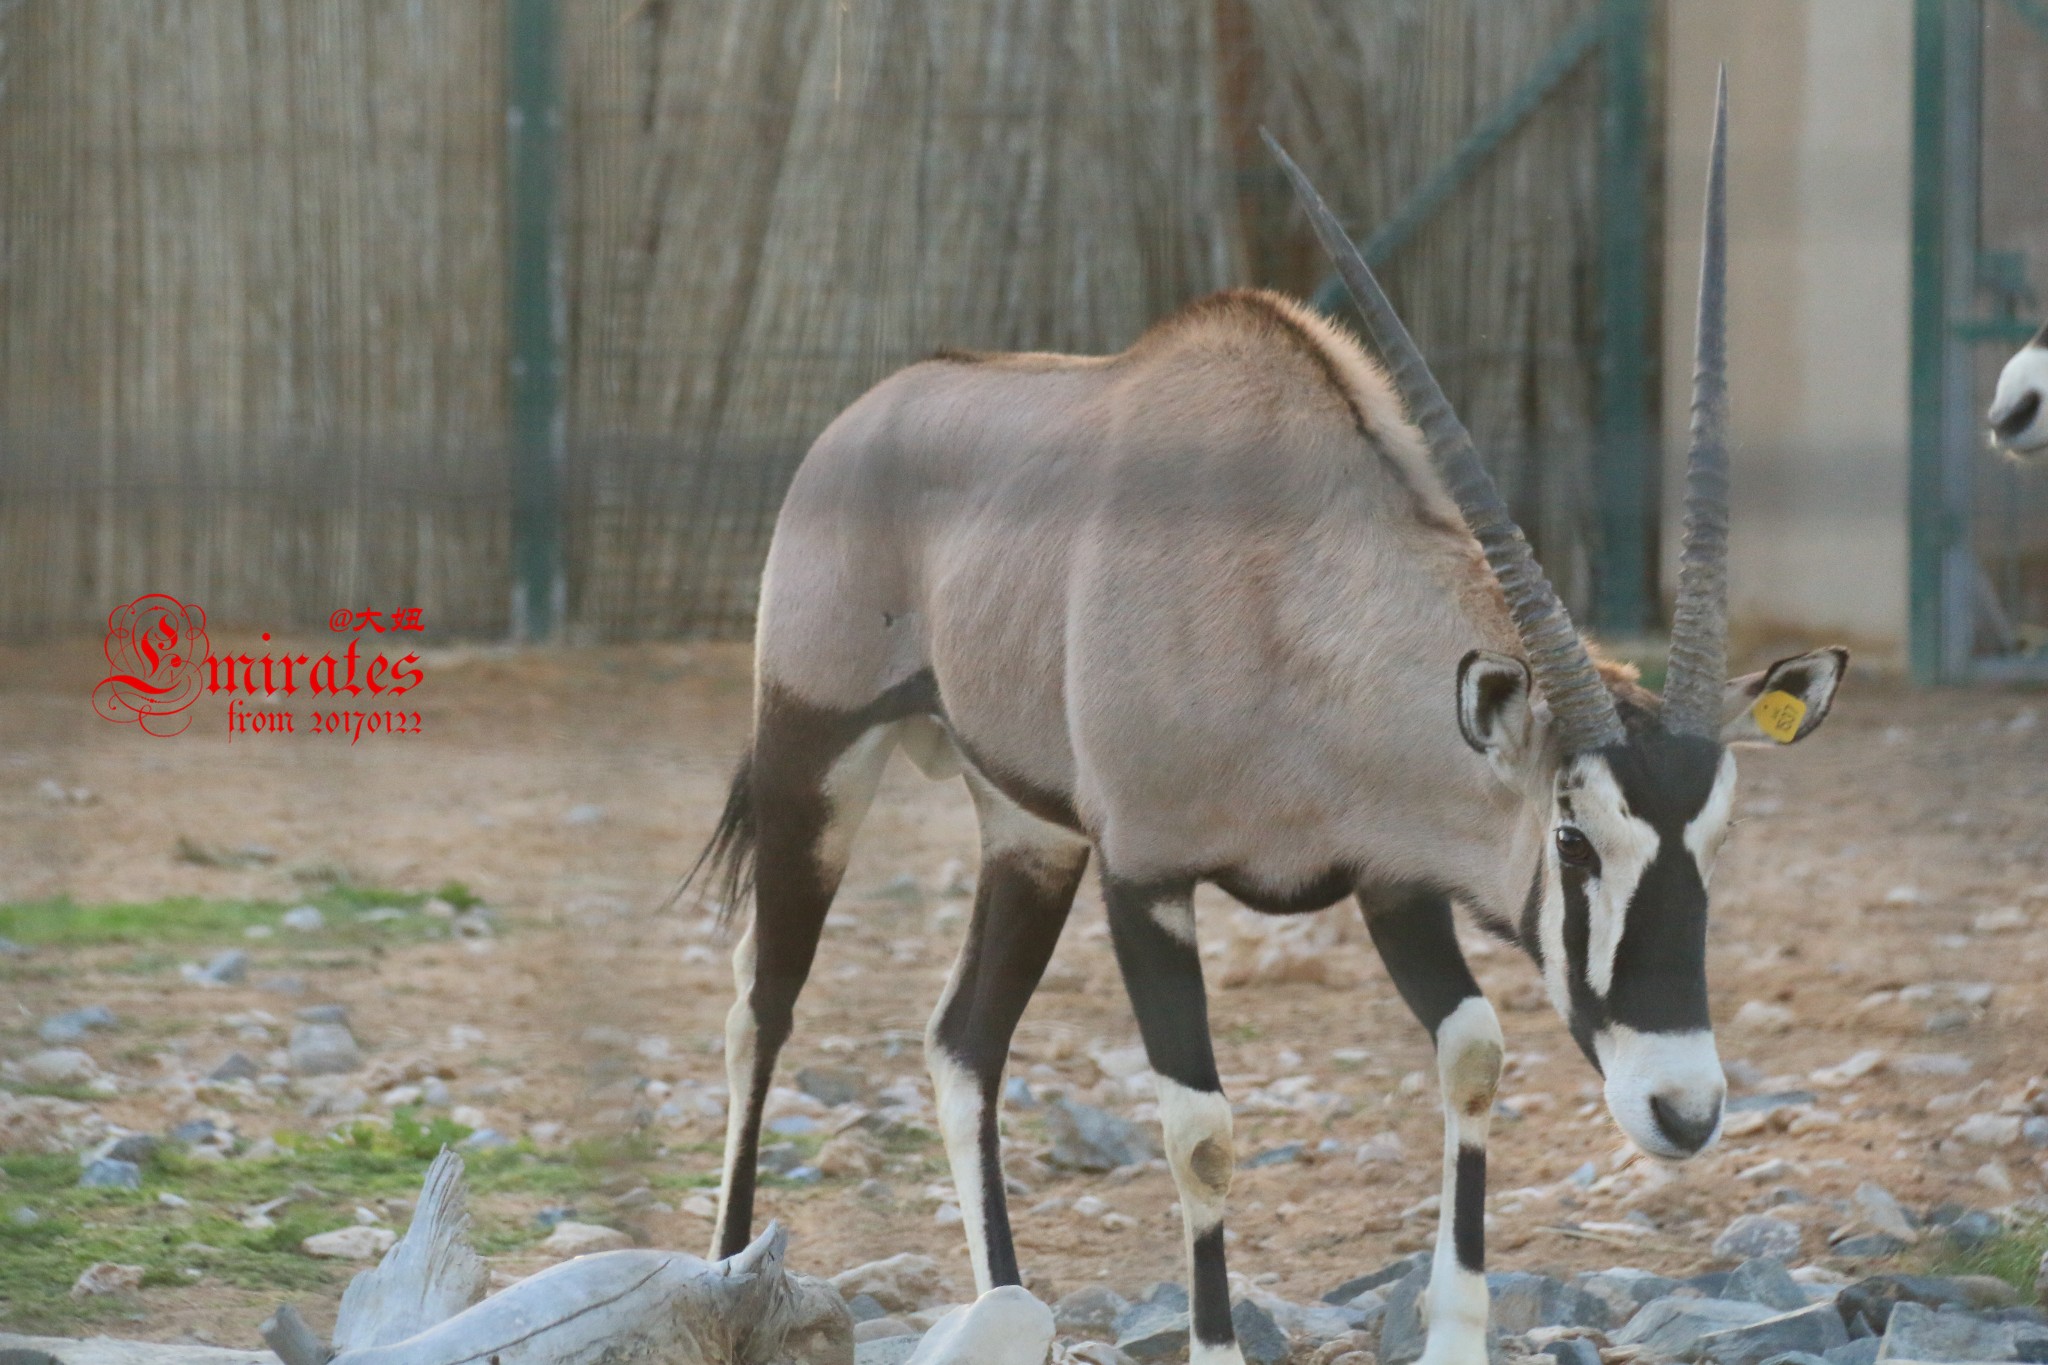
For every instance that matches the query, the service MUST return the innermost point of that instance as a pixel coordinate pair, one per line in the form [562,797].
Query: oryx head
[1636,790]
[2019,423]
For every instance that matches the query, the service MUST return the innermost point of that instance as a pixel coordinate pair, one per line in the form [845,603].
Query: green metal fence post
[1929,312]
[1625,458]
[534,317]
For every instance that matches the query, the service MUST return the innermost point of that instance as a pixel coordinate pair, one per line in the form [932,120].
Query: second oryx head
[1635,790]
[2019,406]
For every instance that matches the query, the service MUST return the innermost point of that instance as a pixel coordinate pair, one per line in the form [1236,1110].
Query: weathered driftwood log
[423,1305]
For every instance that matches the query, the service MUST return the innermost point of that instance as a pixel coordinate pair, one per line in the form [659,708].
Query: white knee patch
[1469,1053]
[1197,1126]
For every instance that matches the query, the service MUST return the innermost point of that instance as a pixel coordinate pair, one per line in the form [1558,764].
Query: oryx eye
[1574,849]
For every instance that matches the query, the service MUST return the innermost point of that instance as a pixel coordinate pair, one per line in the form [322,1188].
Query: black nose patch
[1688,1135]
[2021,417]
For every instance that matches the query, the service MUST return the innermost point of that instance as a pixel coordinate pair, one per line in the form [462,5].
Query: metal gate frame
[1627,461]
[1950,271]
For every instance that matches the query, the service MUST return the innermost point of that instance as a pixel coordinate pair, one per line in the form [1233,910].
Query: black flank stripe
[1211,1297]
[1468,1228]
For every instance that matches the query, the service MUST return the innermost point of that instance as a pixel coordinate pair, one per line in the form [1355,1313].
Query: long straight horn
[1581,708]
[1699,628]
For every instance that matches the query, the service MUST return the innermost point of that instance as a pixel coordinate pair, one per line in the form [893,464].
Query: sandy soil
[1863,863]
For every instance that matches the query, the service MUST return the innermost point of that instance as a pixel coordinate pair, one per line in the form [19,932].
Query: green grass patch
[2014,1256]
[149,925]
[326,1177]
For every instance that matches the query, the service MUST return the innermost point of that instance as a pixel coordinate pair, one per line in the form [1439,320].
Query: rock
[1379,1279]
[305,919]
[1870,1246]
[1883,1213]
[903,1283]
[1089,1311]
[581,1239]
[1850,1071]
[106,1173]
[1522,1301]
[324,1049]
[2034,1131]
[1402,1326]
[1917,1332]
[136,1148]
[1813,1329]
[852,1155]
[236,1066]
[875,1329]
[358,1243]
[59,1066]
[1573,1351]
[1973,1229]
[9,948]
[1259,1337]
[1017,1092]
[1932,1064]
[73,1025]
[1759,1016]
[1382,1149]
[1758,1234]
[48,1125]
[1005,1326]
[1089,1353]
[1286,1154]
[1085,1138]
[833,1084]
[1152,1331]
[1671,1327]
[1989,1130]
[1623,1289]
[887,1351]
[107,1277]
[1765,1281]
[321,1014]
[1862,1352]
[225,969]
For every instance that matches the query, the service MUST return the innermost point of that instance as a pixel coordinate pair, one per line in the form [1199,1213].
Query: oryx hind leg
[813,775]
[1029,872]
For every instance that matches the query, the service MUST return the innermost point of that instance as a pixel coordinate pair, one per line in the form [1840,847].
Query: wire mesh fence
[252,265]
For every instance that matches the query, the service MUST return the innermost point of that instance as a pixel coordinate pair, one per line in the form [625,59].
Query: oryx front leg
[1153,930]
[1417,941]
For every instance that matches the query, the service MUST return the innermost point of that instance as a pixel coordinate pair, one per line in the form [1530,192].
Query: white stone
[580,1239]
[1005,1326]
[902,1283]
[1989,1130]
[358,1243]
[1759,1016]
[1850,1071]
[107,1277]
[59,1066]
[1382,1149]
[2004,920]
[304,918]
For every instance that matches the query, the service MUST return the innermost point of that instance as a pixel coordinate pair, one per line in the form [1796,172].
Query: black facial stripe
[1660,980]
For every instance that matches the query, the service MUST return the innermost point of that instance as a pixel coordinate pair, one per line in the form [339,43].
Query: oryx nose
[1688,1131]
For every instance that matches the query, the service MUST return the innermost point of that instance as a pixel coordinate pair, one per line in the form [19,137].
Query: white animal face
[2019,407]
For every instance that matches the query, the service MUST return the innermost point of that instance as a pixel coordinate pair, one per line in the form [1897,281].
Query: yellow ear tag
[1778,715]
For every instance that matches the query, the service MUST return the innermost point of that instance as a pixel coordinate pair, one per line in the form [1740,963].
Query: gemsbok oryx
[1217,609]
[2019,425]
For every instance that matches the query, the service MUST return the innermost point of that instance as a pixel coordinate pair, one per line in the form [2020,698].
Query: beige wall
[1820,162]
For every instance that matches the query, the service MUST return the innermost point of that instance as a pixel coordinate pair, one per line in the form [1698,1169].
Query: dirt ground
[569,789]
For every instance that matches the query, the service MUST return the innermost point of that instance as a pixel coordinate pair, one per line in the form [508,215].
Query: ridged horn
[1699,627]
[1581,708]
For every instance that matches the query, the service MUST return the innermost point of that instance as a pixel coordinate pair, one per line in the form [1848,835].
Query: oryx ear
[1493,709]
[1784,703]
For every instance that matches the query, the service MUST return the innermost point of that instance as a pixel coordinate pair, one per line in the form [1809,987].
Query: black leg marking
[1021,902]
[1209,1297]
[1469,1226]
[1413,930]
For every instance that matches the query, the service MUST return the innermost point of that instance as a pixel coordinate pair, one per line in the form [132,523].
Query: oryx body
[1209,609]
